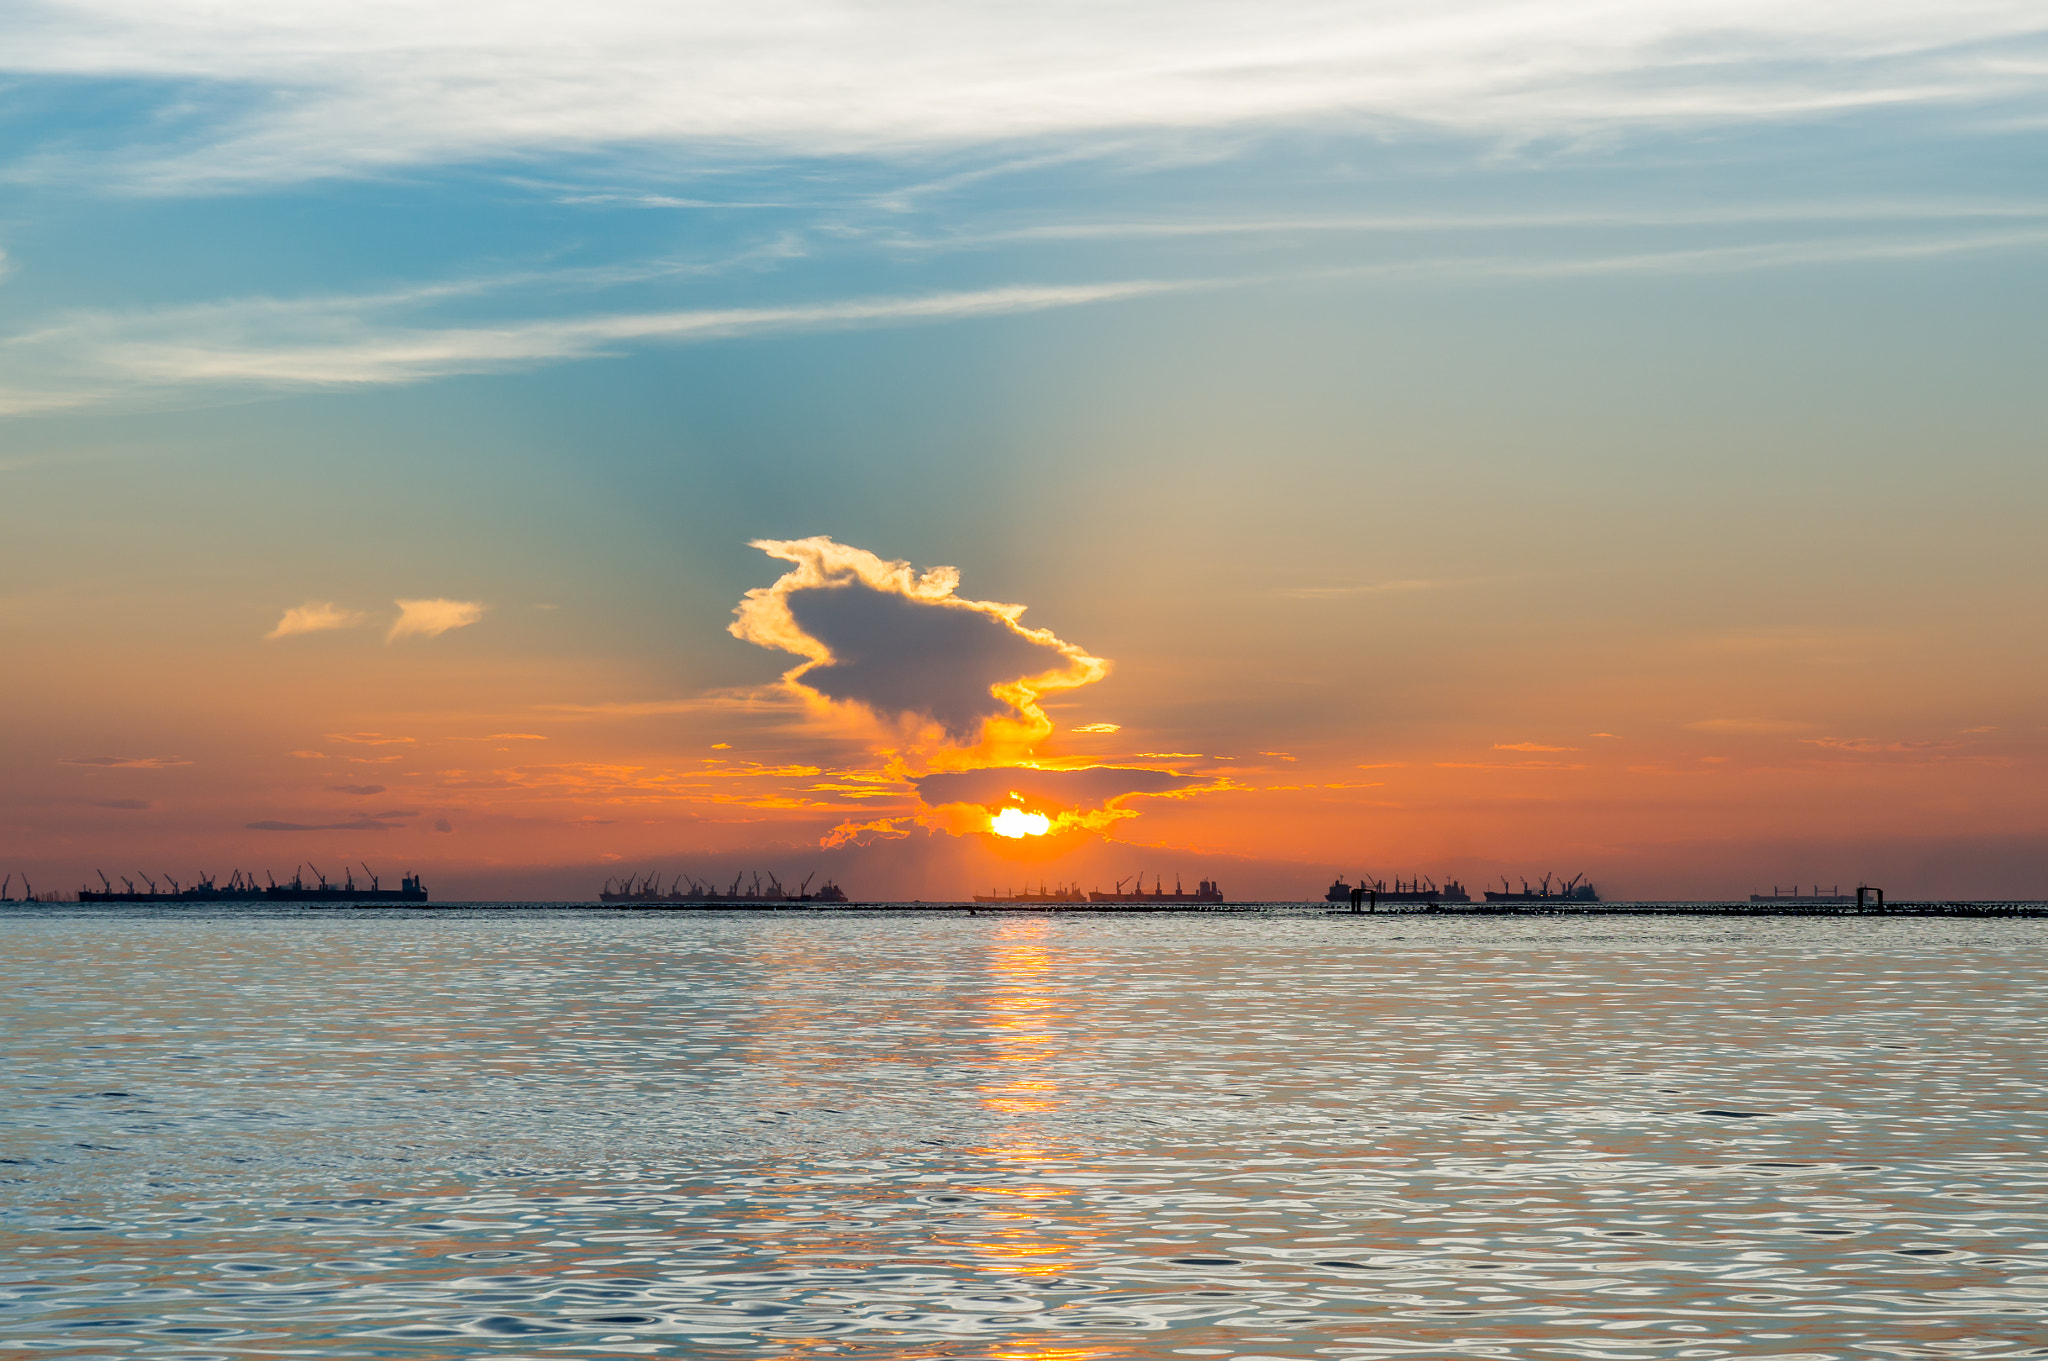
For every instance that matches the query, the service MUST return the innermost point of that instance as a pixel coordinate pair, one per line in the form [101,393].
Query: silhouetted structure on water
[243,888]
[1062,893]
[1571,891]
[1423,890]
[1208,891]
[636,891]
[1795,896]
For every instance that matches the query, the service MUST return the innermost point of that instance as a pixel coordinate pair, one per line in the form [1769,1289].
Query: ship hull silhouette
[1570,891]
[1414,891]
[637,892]
[1207,891]
[242,888]
[1063,893]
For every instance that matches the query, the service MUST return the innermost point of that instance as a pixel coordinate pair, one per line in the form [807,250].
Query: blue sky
[1245,347]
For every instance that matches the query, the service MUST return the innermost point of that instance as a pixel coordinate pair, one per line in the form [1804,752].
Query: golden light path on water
[929,1135]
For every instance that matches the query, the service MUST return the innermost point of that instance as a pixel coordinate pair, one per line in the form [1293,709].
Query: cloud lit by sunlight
[882,639]
[1093,798]
[315,616]
[432,618]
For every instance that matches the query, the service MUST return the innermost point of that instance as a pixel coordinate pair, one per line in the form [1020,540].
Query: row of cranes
[648,887]
[242,887]
[241,883]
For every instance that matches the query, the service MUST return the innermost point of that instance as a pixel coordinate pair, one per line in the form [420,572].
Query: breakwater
[1561,908]
[2018,908]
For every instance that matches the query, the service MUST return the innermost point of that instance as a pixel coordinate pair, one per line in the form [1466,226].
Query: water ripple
[523,1134]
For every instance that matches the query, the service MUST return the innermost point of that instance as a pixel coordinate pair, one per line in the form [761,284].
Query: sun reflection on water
[1024,1016]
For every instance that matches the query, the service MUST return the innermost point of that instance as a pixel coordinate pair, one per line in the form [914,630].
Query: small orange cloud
[864,833]
[1528,746]
[432,618]
[1098,727]
[315,616]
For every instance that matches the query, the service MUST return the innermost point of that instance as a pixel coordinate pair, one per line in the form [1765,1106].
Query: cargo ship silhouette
[1207,891]
[1795,897]
[647,892]
[1063,893]
[1422,890]
[1570,891]
[243,888]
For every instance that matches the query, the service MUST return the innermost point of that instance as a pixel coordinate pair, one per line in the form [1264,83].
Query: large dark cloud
[900,643]
[899,655]
[1093,787]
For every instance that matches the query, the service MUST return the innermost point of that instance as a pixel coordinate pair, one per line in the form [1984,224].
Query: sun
[1015,822]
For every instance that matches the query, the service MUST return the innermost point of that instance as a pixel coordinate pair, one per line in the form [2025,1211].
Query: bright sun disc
[1015,822]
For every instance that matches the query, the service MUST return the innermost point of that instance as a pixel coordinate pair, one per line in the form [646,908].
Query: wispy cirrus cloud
[125,762]
[1861,214]
[220,350]
[266,344]
[266,93]
[388,821]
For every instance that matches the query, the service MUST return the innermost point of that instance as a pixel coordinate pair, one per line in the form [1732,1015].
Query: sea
[509,1132]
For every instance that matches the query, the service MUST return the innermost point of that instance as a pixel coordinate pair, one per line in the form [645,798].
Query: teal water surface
[250,1132]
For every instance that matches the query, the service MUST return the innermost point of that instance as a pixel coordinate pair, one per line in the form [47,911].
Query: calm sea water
[249,1133]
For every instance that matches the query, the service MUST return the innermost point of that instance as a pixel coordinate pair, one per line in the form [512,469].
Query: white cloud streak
[336,342]
[271,91]
[342,342]
[1863,215]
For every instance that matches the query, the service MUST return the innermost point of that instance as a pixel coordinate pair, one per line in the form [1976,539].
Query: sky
[532,444]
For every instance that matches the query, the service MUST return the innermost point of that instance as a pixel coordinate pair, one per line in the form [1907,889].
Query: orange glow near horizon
[1015,822]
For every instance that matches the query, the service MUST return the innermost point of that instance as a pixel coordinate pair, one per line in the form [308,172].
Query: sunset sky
[526,443]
